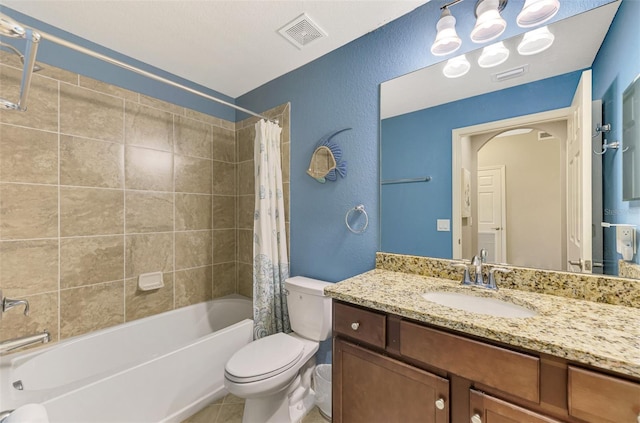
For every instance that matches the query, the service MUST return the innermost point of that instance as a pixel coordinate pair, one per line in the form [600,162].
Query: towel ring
[358,208]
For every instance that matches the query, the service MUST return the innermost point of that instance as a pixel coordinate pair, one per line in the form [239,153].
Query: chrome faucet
[478,278]
[24,341]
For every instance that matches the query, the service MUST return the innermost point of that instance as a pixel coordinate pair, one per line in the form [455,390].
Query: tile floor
[229,410]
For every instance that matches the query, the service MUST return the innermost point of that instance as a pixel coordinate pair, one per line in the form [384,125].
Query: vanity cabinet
[390,369]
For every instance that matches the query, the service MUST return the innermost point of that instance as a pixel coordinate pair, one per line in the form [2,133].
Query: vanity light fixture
[535,41]
[493,55]
[456,67]
[536,12]
[489,24]
[447,40]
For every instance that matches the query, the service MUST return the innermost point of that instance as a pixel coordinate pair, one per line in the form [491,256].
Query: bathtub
[162,368]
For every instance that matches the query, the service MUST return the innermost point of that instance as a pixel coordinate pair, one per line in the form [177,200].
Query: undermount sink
[480,305]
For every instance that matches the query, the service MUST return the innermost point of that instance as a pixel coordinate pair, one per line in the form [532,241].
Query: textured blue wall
[64,58]
[615,67]
[420,143]
[341,89]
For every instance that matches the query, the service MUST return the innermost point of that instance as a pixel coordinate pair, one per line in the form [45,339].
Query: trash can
[322,383]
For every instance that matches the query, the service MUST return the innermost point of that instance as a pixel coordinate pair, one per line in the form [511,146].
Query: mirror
[421,110]
[631,141]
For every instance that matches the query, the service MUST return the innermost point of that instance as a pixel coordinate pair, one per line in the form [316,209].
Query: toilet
[273,373]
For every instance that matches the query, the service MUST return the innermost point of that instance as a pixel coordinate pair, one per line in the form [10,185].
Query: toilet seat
[264,358]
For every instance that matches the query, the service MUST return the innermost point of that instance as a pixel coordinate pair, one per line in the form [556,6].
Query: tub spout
[12,344]
[8,304]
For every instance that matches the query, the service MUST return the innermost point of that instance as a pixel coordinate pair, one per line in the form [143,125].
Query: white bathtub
[161,368]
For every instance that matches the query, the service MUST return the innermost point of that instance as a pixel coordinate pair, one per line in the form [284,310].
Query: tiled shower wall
[99,184]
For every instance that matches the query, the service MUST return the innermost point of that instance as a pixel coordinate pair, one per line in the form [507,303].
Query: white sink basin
[480,305]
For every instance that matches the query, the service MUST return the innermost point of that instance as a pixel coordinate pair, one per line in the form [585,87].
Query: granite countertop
[602,335]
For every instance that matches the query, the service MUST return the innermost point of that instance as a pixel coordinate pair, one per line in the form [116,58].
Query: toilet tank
[309,309]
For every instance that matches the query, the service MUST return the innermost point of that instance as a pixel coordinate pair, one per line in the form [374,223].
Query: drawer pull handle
[440,404]
[476,419]
[355,325]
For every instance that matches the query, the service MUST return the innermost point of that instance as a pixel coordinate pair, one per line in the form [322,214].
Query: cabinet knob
[476,419]
[440,404]
[355,325]
[638,418]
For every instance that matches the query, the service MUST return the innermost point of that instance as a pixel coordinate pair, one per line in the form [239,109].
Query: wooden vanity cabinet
[390,369]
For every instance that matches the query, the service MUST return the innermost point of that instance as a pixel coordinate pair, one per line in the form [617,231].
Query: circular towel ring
[358,208]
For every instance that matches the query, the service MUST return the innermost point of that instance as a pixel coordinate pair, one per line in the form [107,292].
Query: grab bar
[23,341]
[406,180]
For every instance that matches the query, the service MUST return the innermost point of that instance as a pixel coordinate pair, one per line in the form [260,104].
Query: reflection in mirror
[631,141]
[422,113]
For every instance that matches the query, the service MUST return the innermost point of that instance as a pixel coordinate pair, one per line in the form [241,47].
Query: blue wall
[615,67]
[420,143]
[64,58]
[341,89]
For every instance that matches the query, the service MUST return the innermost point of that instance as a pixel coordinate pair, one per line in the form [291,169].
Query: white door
[492,213]
[579,179]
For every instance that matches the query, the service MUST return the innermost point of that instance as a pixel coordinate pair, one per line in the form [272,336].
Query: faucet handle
[466,278]
[492,279]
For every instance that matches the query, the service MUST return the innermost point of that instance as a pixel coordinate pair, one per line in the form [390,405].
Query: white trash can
[322,383]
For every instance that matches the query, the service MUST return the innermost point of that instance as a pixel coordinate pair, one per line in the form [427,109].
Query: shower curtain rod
[132,68]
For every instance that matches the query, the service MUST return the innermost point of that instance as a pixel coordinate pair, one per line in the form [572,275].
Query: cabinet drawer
[491,410]
[597,397]
[508,371]
[362,325]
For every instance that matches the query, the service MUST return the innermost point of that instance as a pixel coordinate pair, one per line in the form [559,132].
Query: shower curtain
[270,261]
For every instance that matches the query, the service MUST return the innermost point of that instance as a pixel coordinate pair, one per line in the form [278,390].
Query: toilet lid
[264,358]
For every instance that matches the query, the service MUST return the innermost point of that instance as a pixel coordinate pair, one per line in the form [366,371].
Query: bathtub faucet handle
[8,304]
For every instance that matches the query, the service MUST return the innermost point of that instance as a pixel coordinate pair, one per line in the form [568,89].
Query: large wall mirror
[489,159]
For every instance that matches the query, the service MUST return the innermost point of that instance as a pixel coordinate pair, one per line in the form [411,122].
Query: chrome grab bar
[23,341]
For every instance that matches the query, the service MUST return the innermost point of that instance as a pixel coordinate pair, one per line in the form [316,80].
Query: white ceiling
[577,41]
[231,46]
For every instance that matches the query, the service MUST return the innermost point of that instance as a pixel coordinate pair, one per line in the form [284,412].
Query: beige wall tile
[224,279]
[193,286]
[147,253]
[43,315]
[59,74]
[224,144]
[91,260]
[90,308]
[286,199]
[193,249]
[193,138]
[224,245]
[246,211]
[103,87]
[192,174]
[245,245]
[193,211]
[28,211]
[10,59]
[91,211]
[139,304]
[90,163]
[202,117]
[28,155]
[286,161]
[224,211]
[246,139]
[162,105]
[28,267]
[224,178]
[149,170]
[90,114]
[245,279]
[148,211]
[148,127]
[245,178]
[42,103]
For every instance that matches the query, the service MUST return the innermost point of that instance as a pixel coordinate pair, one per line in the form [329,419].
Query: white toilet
[274,373]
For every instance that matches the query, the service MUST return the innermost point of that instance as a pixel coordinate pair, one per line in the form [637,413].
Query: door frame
[498,126]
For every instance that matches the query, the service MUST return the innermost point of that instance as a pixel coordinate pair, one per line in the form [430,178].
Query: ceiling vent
[509,74]
[542,135]
[302,31]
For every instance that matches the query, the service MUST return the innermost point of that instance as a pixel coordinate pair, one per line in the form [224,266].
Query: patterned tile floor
[229,410]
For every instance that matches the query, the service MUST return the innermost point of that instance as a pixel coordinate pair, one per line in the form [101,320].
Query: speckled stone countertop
[602,335]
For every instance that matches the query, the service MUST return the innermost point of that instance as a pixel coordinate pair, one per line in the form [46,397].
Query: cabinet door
[370,388]
[486,409]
